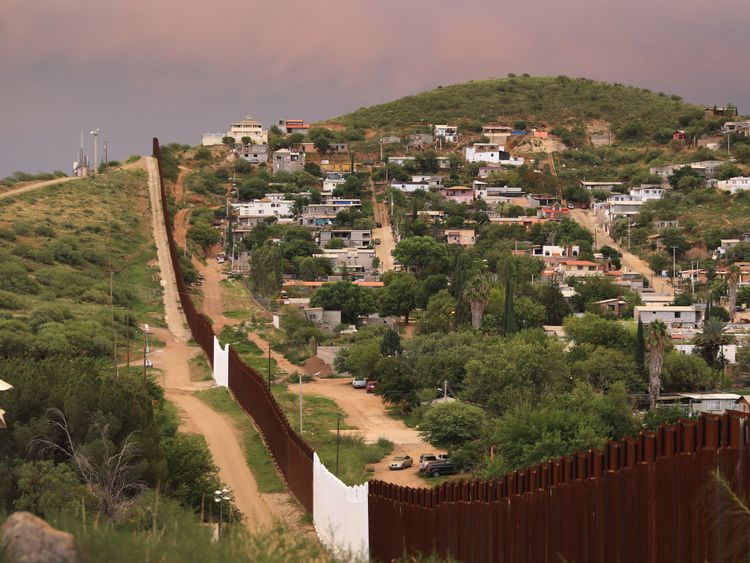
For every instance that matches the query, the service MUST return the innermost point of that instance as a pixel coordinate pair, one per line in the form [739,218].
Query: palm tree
[656,340]
[477,293]
[733,281]
[712,338]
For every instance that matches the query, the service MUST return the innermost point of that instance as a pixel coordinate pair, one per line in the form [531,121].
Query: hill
[559,101]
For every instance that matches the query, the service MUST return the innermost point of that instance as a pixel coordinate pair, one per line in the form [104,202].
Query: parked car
[400,462]
[149,363]
[359,383]
[438,468]
[371,386]
[424,459]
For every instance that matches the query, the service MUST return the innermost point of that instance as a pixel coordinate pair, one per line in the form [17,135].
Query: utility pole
[445,389]
[674,267]
[300,404]
[95,133]
[145,353]
[269,366]
[338,440]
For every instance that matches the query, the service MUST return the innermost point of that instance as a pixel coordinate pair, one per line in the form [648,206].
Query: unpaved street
[385,234]
[218,430]
[366,412]
[36,186]
[630,261]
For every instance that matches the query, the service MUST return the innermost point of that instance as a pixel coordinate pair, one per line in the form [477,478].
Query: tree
[266,269]
[555,306]
[246,140]
[711,338]
[397,382]
[640,348]
[390,345]
[597,331]
[450,425]
[352,300]
[48,489]
[204,235]
[192,473]
[509,315]
[477,293]
[733,280]
[438,316]
[422,254]
[687,372]
[228,141]
[399,295]
[657,339]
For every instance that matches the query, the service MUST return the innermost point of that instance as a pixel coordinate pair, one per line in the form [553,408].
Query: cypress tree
[640,348]
[509,313]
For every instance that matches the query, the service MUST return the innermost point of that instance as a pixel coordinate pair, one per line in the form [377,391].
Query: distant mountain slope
[558,101]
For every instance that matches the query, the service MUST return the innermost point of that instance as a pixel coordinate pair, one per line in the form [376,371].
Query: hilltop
[556,101]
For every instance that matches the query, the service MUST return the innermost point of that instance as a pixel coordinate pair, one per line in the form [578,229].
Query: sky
[175,69]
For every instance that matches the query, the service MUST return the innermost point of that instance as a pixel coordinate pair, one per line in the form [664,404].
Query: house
[443,162]
[496,133]
[734,185]
[332,181]
[431,214]
[285,160]
[352,238]
[322,319]
[744,268]
[390,140]
[459,194]
[737,127]
[647,192]
[718,111]
[447,133]
[410,187]
[316,215]
[615,306]
[400,160]
[728,351]
[525,222]
[464,237]
[621,206]
[705,168]
[254,154]
[679,135]
[289,126]
[540,134]
[249,214]
[351,260]
[333,148]
[550,251]
[577,268]
[672,316]
[601,186]
[491,153]
[419,140]
[246,127]
[713,403]
[555,212]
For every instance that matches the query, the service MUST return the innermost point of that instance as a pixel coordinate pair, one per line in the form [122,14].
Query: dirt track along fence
[640,499]
[292,455]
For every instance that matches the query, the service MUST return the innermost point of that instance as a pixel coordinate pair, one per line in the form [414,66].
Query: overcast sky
[174,69]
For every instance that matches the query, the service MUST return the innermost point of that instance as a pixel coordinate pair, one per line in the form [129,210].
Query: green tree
[228,141]
[397,383]
[346,297]
[733,280]
[597,331]
[204,235]
[450,425]
[509,315]
[424,255]
[390,345]
[477,293]
[640,348]
[687,372]
[266,268]
[657,339]
[711,338]
[554,303]
[399,295]
[438,316]
[192,476]
[48,489]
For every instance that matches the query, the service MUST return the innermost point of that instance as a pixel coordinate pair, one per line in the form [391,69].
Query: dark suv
[438,468]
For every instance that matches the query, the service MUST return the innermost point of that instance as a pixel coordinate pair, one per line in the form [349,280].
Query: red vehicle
[371,386]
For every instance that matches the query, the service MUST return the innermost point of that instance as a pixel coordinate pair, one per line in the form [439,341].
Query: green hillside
[560,101]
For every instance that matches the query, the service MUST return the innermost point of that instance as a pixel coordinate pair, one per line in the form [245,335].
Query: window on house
[677,315]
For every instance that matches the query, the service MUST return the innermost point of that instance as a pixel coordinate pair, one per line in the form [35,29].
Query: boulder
[28,539]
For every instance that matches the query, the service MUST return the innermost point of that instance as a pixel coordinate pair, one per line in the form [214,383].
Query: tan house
[464,237]
[577,268]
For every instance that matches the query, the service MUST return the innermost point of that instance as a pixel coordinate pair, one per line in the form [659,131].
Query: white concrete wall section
[221,364]
[340,514]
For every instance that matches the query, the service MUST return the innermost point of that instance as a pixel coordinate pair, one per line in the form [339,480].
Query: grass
[258,459]
[411,420]
[200,370]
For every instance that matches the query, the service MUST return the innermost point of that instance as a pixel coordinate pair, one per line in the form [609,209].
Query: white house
[447,132]
[602,186]
[491,153]
[672,316]
[246,127]
[410,187]
[647,192]
[714,403]
[400,160]
[734,185]
[266,207]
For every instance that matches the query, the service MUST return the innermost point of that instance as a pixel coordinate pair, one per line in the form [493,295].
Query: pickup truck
[438,468]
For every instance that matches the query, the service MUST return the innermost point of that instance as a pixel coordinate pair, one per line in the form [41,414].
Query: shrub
[9,300]
[45,231]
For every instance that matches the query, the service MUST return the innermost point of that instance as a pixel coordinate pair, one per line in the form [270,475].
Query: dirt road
[36,186]
[366,412]
[385,234]
[630,261]
[173,360]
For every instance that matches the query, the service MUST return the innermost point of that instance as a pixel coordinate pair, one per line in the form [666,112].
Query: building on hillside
[647,192]
[486,152]
[690,317]
[696,403]
[285,160]
[390,140]
[496,133]
[246,127]
[734,185]
[352,238]
[249,214]
[705,168]
[419,140]
[737,127]
[722,111]
[679,135]
[431,215]
[459,194]
[555,212]
[744,268]
[614,306]
[601,186]
[447,133]
[254,154]
[577,268]
[525,222]
[333,148]
[350,260]
[410,187]
[322,319]
[317,215]
[400,160]
[464,237]
[289,126]
[443,162]
[332,181]
[550,251]
[621,206]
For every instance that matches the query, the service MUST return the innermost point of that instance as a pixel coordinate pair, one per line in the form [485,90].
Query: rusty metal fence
[636,500]
[292,455]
